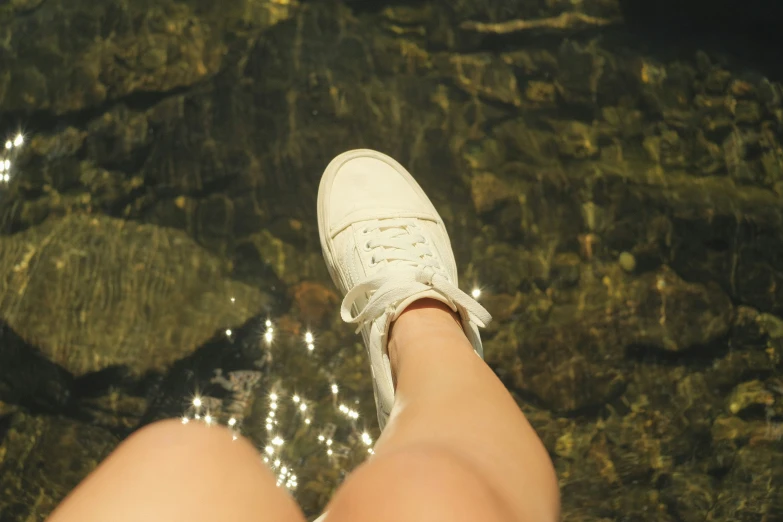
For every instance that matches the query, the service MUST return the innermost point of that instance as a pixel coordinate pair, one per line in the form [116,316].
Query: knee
[170,439]
[421,483]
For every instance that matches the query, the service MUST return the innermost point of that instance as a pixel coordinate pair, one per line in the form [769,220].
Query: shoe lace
[399,243]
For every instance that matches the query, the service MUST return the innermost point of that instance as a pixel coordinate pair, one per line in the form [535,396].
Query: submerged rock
[92,292]
[68,56]
[555,152]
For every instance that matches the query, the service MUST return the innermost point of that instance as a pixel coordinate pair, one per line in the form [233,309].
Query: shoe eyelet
[366,247]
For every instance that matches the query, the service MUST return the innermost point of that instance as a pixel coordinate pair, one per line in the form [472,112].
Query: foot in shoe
[385,247]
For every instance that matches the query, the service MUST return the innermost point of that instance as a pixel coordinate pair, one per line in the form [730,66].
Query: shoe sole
[324,191]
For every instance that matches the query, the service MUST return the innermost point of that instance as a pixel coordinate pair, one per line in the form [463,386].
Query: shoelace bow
[416,270]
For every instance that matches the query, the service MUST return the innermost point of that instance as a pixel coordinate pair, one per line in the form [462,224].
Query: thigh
[169,471]
[416,484]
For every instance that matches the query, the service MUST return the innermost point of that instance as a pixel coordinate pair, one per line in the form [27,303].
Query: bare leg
[169,472]
[455,437]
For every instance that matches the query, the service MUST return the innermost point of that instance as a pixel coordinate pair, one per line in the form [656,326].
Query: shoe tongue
[432,294]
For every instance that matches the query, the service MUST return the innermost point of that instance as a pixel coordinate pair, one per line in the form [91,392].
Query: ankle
[420,319]
[423,313]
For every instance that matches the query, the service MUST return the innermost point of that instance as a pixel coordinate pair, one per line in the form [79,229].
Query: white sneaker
[385,247]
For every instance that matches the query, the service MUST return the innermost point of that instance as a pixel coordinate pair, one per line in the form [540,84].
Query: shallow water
[611,178]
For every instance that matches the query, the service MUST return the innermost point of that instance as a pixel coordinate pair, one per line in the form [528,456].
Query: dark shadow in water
[28,378]
[37,121]
[96,384]
[5,424]
[745,36]
[374,6]
[169,394]
[700,357]
[699,14]
[747,33]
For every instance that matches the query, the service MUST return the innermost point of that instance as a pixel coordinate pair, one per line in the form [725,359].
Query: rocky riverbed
[611,177]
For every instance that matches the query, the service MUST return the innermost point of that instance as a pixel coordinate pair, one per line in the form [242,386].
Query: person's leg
[457,446]
[168,472]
